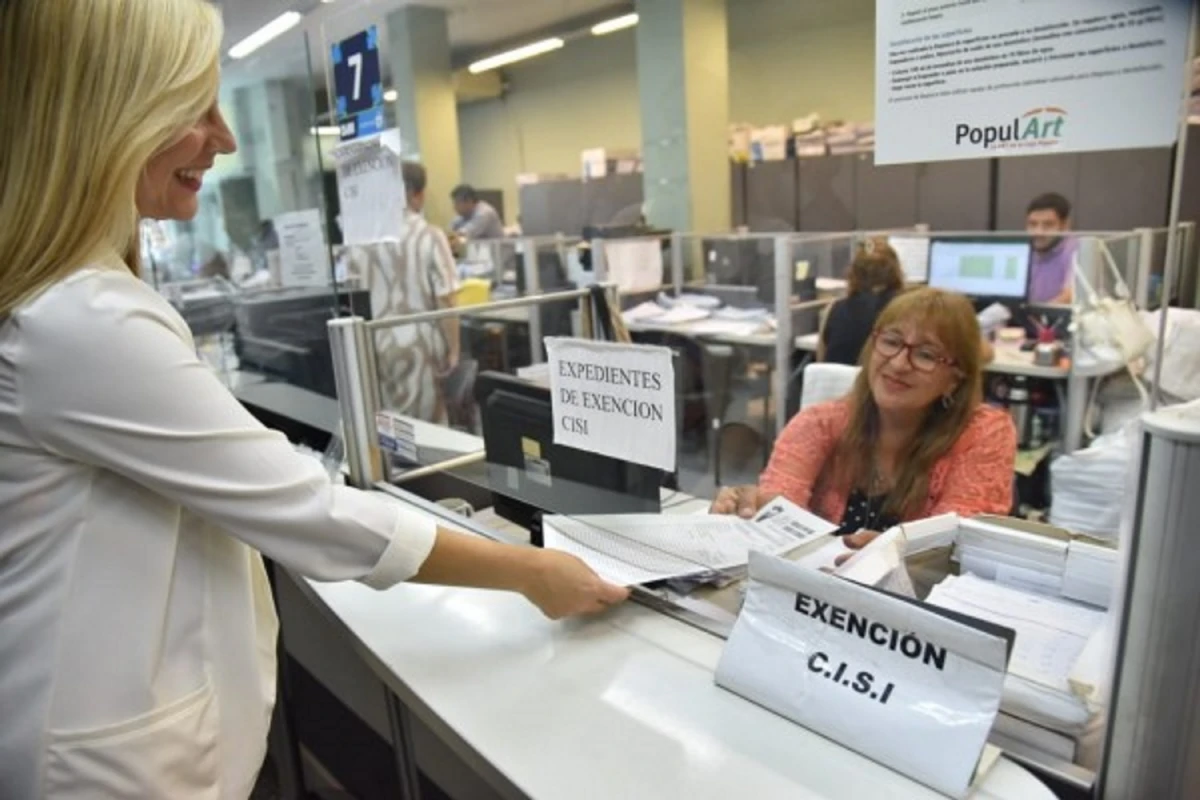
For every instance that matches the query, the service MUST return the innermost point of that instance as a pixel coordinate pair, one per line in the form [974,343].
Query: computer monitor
[983,269]
[528,472]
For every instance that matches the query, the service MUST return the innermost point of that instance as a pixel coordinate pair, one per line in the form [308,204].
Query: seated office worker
[137,642]
[1047,220]
[911,440]
[476,219]
[874,278]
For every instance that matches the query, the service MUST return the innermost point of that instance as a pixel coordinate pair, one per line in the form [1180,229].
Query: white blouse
[137,632]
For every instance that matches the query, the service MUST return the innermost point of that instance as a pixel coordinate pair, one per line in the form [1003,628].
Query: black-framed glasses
[922,357]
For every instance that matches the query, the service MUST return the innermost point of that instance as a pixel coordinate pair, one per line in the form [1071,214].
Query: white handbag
[1110,323]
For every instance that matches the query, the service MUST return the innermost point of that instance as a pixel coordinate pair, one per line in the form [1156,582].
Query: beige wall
[786,58]
[556,105]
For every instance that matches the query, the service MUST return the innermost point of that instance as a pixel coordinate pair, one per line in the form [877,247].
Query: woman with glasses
[911,440]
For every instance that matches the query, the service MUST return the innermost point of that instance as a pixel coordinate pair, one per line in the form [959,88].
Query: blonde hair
[951,318]
[90,91]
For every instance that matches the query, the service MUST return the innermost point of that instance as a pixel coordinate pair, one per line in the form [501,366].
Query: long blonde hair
[952,319]
[89,91]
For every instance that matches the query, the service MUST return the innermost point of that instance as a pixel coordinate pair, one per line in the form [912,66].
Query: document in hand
[634,549]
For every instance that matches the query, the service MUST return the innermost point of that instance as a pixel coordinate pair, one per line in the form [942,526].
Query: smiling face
[170,184]
[909,369]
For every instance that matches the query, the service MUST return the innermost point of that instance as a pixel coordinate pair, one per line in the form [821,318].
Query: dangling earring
[947,401]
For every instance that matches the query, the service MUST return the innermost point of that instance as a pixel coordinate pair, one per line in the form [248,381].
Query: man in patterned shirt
[409,275]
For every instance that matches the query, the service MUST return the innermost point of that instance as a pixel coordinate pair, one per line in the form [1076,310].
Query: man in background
[410,275]
[476,219]
[1047,220]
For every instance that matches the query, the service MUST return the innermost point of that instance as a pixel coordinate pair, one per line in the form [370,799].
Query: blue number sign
[358,84]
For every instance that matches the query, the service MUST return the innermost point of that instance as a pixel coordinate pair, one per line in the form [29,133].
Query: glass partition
[252,273]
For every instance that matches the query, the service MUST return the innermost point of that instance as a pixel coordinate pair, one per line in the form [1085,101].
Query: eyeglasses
[923,358]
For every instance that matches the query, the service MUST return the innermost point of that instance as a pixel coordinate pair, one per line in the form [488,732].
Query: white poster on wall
[303,253]
[617,400]
[370,188]
[959,79]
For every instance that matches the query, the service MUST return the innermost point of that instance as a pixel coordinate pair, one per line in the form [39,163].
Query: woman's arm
[112,382]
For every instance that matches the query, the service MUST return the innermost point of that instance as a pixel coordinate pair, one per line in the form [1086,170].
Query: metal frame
[352,341]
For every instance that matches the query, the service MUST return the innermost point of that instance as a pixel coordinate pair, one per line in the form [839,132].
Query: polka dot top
[866,514]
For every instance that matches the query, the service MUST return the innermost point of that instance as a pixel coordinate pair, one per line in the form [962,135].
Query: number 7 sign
[358,84]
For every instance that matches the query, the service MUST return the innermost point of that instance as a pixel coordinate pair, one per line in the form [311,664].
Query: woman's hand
[744,501]
[855,541]
[563,586]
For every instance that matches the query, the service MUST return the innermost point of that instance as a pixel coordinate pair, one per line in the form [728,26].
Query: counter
[623,706]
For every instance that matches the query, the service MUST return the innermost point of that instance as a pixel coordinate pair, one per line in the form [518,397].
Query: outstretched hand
[563,586]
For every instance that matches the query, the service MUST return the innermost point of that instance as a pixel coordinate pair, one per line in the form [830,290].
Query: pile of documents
[1090,573]
[1012,557]
[699,315]
[1040,708]
[1075,568]
[636,549]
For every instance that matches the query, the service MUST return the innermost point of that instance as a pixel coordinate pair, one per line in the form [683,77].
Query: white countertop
[618,707]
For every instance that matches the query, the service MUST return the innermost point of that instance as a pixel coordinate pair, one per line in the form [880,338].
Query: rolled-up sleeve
[125,391]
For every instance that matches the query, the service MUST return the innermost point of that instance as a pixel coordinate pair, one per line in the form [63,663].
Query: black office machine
[529,474]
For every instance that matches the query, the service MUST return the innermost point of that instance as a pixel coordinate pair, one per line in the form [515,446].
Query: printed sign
[994,78]
[891,679]
[617,400]
[396,436]
[370,189]
[358,84]
[303,254]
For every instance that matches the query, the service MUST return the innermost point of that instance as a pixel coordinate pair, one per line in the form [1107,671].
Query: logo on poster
[1036,129]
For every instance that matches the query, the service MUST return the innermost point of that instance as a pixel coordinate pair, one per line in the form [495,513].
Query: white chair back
[826,382]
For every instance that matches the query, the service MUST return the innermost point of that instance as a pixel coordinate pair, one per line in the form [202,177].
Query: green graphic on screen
[983,267]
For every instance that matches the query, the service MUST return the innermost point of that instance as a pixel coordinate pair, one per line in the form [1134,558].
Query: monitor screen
[992,268]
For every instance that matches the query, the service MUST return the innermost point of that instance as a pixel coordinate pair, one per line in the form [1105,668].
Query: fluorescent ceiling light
[391,96]
[518,54]
[614,24]
[276,27]
[326,130]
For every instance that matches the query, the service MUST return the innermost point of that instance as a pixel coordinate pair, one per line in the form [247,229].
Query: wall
[584,95]
[786,58]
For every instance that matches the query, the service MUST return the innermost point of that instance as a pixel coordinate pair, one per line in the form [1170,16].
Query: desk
[619,707]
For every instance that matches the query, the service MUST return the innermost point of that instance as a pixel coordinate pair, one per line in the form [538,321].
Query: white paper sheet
[303,252]
[1051,634]
[632,549]
[634,265]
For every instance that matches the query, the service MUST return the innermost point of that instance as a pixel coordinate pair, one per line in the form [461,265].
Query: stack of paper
[634,549]
[1051,635]
[1012,557]
[1008,728]
[1090,574]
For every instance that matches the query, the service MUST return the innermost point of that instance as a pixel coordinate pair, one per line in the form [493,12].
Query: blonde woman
[138,636]
[912,439]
